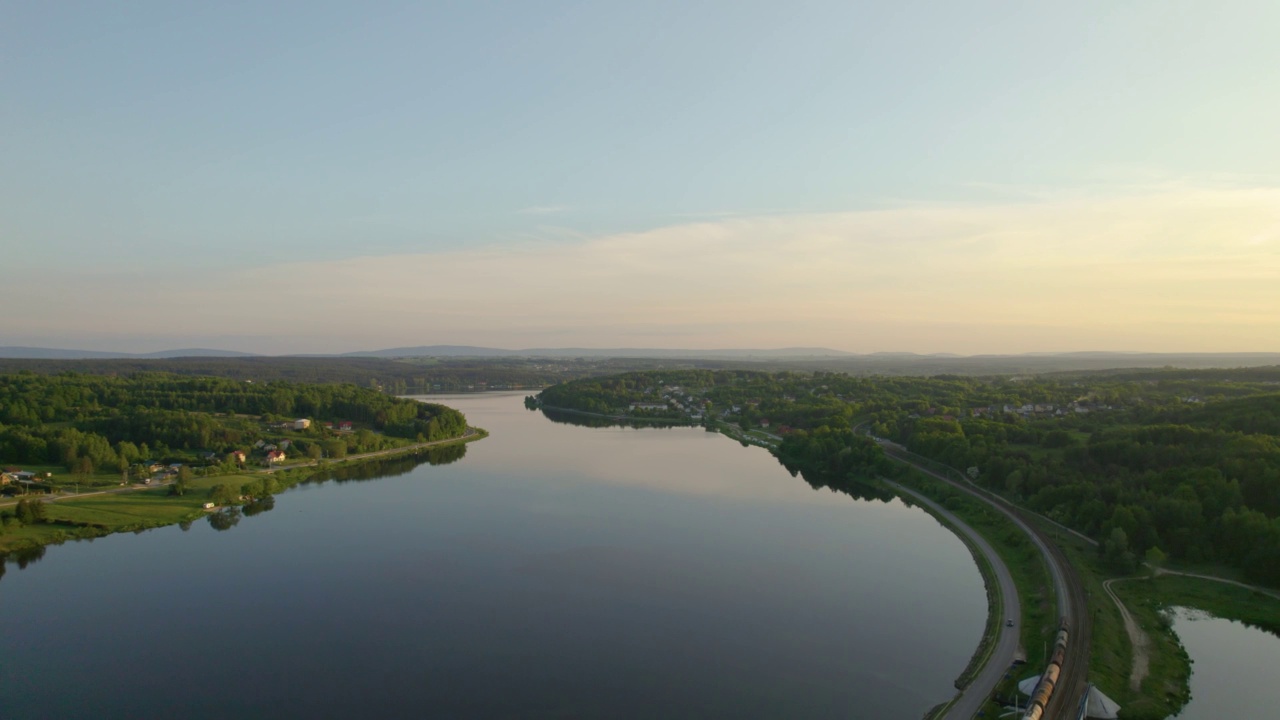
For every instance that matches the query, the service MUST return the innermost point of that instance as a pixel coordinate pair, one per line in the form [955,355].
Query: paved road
[975,694]
[1066,586]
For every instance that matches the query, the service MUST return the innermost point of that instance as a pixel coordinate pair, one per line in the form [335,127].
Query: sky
[969,177]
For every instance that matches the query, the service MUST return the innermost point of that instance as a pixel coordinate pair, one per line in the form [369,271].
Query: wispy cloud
[1176,269]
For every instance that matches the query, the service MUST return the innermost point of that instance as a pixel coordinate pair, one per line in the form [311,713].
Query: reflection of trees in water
[229,517]
[854,488]
[225,519]
[598,421]
[392,467]
[260,505]
[22,558]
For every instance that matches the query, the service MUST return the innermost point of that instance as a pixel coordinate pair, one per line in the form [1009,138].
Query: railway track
[1072,600]
[1074,677]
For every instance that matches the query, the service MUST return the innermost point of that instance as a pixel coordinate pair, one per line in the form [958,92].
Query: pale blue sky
[176,137]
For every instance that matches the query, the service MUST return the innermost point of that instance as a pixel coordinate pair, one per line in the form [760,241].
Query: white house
[301,424]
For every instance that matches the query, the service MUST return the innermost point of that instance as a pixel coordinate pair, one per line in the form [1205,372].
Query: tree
[1116,550]
[30,511]
[1155,559]
[221,494]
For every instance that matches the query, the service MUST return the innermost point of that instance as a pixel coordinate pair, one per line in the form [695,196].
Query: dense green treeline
[89,423]
[397,377]
[1177,463]
[835,458]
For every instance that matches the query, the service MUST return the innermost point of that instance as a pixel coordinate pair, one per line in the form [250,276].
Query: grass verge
[1030,576]
[90,516]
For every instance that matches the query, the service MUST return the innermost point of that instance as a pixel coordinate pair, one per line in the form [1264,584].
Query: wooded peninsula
[86,455]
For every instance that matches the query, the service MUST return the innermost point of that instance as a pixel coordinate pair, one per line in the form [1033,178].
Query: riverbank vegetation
[1176,467]
[1183,462]
[153,449]
[86,518]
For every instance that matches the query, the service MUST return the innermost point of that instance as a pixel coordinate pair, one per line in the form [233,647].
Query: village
[297,439]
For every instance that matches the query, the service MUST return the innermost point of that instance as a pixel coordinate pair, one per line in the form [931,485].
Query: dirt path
[1254,588]
[1137,638]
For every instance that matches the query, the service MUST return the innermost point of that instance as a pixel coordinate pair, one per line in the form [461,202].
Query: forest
[403,376]
[93,423]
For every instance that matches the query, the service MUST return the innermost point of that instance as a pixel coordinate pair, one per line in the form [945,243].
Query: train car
[1044,689]
[1059,654]
[1042,694]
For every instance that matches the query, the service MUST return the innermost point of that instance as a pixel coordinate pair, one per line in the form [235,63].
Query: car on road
[1008,623]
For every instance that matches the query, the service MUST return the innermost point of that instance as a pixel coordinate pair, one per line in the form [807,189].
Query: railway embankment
[1068,593]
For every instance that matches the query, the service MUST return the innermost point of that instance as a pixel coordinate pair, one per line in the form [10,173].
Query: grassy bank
[96,515]
[1167,688]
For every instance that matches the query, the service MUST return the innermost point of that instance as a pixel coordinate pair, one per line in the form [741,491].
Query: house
[260,443]
[284,444]
[237,455]
[275,456]
[5,479]
[345,425]
[301,424]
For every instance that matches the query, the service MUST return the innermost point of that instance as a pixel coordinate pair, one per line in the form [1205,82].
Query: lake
[1233,671]
[552,570]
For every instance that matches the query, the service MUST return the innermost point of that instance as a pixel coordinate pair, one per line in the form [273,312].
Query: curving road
[975,694]
[1068,590]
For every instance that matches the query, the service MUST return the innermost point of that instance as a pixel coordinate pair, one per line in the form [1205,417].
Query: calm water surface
[1233,671]
[554,571]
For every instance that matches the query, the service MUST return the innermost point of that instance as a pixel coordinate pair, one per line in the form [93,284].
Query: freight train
[1044,688]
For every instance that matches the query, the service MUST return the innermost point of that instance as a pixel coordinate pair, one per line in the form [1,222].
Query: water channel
[553,570]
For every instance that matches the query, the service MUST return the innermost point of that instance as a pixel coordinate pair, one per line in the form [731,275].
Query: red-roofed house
[275,456]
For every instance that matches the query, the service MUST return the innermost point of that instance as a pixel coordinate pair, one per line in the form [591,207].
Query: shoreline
[57,532]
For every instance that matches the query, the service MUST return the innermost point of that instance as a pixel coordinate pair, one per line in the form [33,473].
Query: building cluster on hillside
[306,423]
[1028,410]
[674,398]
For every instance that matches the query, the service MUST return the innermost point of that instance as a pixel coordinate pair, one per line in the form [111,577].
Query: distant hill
[473,351]
[1030,363]
[432,351]
[721,354]
[794,358]
[39,353]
